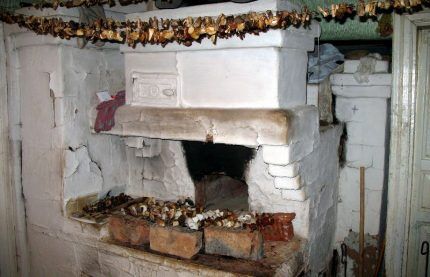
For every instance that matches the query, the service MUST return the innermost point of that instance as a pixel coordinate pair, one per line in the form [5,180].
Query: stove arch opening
[218,172]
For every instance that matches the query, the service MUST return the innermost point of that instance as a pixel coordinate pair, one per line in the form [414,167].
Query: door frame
[8,254]
[403,108]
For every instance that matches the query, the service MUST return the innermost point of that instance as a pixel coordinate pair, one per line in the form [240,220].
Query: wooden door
[419,227]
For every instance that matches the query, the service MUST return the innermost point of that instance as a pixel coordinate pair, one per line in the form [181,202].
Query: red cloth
[106,112]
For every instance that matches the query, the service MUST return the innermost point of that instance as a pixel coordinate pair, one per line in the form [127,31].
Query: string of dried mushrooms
[363,8]
[164,31]
[189,30]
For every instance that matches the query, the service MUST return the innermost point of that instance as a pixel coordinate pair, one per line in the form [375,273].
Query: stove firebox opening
[218,172]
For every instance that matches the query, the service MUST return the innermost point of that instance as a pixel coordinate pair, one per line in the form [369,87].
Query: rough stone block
[291,170]
[175,241]
[242,244]
[287,182]
[129,230]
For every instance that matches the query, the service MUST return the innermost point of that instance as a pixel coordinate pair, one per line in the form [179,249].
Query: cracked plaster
[75,75]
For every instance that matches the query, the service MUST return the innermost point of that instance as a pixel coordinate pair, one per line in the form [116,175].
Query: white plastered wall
[364,109]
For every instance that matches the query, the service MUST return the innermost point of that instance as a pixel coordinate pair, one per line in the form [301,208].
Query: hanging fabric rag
[106,112]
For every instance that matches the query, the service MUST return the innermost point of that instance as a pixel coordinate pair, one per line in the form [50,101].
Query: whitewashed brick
[351,66]
[290,170]
[349,183]
[373,200]
[374,179]
[304,124]
[286,154]
[343,223]
[381,79]
[135,142]
[364,155]
[371,111]
[294,195]
[288,183]
[362,91]
[371,222]
[349,189]
[203,85]
[349,195]
[312,92]
[366,133]
[278,155]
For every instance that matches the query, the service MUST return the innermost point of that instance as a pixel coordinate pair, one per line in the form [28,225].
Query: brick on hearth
[127,229]
[238,243]
[281,229]
[175,241]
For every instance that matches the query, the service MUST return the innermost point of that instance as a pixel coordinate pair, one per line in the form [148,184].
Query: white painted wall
[50,99]
[364,109]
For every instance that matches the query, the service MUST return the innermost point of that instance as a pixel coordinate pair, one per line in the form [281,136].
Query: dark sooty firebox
[218,172]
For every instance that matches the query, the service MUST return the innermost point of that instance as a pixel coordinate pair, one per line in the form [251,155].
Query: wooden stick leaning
[362,220]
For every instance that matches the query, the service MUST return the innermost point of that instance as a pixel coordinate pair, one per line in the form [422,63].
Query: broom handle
[362,218]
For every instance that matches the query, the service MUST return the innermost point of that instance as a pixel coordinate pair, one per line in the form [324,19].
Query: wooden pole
[362,218]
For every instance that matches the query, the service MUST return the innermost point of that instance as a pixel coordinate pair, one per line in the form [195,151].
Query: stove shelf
[249,127]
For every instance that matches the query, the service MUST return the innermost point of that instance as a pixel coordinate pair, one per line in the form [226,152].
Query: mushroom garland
[163,31]
[106,204]
[54,4]
[184,213]
[186,31]
[369,8]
